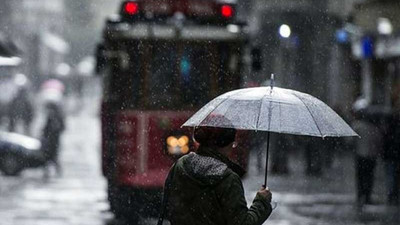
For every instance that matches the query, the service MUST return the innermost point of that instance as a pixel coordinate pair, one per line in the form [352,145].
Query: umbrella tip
[272,81]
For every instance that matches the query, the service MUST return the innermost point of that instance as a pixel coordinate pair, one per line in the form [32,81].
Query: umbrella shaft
[266,160]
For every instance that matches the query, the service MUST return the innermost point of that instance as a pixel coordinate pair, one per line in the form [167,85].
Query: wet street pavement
[78,197]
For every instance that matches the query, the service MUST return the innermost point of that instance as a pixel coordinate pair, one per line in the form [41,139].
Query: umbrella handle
[266,161]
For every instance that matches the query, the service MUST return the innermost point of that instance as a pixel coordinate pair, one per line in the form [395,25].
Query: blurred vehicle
[161,61]
[18,152]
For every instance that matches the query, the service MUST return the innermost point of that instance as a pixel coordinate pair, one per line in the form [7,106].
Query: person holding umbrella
[269,109]
[205,187]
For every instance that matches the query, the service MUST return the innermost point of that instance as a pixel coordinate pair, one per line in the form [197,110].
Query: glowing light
[227,11]
[131,8]
[185,149]
[385,27]
[178,146]
[183,141]
[285,31]
[172,141]
[233,28]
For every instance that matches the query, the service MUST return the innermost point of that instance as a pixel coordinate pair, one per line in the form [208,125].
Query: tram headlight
[183,141]
[172,141]
[178,145]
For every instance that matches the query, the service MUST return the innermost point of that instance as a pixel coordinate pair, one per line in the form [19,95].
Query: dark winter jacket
[206,190]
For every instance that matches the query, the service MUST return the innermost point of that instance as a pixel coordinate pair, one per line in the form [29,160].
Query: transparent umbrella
[272,109]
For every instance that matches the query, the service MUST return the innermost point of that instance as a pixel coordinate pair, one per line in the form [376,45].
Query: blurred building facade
[36,27]
[5,16]
[54,35]
[375,32]
[307,56]
[375,44]
[86,19]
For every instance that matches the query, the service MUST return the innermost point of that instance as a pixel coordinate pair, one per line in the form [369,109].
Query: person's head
[214,137]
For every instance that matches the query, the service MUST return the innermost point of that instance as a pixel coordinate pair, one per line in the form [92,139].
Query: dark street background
[79,196]
[344,52]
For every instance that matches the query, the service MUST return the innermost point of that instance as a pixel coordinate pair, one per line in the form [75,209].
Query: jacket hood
[204,169]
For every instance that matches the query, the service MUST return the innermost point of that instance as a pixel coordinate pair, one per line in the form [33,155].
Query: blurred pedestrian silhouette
[21,110]
[256,144]
[280,156]
[51,133]
[367,149]
[391,157]
[313,149]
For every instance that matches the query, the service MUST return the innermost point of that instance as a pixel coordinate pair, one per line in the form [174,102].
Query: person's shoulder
[183,158]
[205,169]
[230,182]
[231,177]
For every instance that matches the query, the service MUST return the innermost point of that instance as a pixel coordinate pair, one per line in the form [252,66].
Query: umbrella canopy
[272,109]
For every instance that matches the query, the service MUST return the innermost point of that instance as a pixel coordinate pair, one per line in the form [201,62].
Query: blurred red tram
[161,61]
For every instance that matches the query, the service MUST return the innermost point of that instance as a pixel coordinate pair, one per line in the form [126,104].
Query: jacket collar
[206,151]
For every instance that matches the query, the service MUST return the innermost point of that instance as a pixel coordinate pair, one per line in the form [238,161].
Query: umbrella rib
[212,111]
[309,111]
[218,106]
[259,111]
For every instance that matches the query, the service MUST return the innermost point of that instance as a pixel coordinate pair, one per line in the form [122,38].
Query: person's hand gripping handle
[266,193]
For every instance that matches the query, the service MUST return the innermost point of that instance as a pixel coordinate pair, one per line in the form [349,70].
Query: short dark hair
[214,137]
